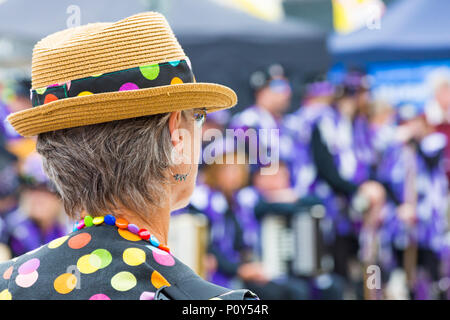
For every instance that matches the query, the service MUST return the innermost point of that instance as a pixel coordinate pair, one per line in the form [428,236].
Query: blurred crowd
[30,211]
[380,172]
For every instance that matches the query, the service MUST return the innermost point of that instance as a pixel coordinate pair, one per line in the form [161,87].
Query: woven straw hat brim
[110,106]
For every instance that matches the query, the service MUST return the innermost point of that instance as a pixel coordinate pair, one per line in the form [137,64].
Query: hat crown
[98,48]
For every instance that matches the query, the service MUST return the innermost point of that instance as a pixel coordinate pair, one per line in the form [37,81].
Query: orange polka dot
[65,283]
[8,272]
[128,235]
[49,98]
[176,80]
[158,280]
[79,241]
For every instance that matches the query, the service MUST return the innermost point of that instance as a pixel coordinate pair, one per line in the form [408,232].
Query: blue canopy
[410,30]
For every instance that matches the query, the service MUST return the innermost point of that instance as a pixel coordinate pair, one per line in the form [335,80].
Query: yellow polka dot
[176,80]
[65,283]
[57,242]
[84,93]
[158,280]
[5,295]
[88,264]
[123,281]
[133,256]
[128,235]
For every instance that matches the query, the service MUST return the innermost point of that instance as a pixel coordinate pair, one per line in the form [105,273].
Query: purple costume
[300,125]
[26,235]
[257,118]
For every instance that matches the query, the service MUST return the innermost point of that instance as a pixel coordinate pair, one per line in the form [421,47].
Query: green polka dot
[150,72]
[100,258]
[123,281]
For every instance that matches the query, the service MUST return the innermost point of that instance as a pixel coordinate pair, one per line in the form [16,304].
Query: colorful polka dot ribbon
[148,76]
[122,224]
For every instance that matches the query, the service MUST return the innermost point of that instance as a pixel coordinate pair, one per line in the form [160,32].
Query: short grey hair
[102,167]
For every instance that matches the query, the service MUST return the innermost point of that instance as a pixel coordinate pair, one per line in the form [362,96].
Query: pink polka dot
[162,257]
[128,86]
[147,295]
[29,266]
[27,280]
[99,296]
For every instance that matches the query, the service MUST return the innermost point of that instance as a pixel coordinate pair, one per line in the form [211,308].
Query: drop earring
[180,177]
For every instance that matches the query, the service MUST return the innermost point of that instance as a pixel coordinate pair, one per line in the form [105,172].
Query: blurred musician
[319,95]
[341,147]
[416,223]
[234,232]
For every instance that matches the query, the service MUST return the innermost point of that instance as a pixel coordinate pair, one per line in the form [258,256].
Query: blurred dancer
[342,153]
[416,224]
[37,219]
[318,99]
[272,99]
[383,126]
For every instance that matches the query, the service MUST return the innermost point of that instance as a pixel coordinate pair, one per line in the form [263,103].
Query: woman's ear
[174,126]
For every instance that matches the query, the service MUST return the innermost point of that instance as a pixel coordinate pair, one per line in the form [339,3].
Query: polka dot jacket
[103,263]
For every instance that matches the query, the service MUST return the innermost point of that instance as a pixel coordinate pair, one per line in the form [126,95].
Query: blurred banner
[351,15]
[407,83]
[401,82]
[271,10]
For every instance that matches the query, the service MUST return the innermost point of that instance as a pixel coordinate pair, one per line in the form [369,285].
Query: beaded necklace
[120,223]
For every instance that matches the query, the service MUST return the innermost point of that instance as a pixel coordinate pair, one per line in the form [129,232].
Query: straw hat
[111,71]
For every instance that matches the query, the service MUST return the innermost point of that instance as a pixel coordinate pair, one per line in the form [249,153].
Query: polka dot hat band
[111,71]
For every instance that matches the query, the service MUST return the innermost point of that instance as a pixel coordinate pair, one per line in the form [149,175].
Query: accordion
[293,244]
[188,240]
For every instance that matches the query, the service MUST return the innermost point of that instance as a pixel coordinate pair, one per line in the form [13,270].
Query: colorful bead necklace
[120,223]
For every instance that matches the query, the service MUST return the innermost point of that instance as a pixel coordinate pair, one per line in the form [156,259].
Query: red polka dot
[79,241]
[49,98]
